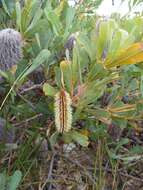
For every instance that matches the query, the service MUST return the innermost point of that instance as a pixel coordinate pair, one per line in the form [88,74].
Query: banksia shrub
[63,112]
[10,48]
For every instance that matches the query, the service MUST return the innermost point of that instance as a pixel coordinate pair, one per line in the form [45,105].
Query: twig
[25,100]
[27,120]
[33,87]
[132,177]
[120,173]
[50,172]
[80,166]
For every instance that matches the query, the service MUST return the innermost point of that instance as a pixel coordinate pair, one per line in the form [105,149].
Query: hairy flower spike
[10,48]
[63,112]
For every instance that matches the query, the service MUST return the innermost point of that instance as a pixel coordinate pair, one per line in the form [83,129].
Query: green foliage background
[102,77]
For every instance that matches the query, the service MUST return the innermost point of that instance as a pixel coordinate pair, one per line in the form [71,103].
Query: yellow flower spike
[63,111]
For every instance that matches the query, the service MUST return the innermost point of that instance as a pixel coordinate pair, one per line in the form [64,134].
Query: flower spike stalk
[63,111]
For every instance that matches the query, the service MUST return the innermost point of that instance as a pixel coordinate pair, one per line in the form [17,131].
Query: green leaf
[14,180]
[79,138]
[69,19]
[54,21]
[49,90]
[117,42]
[122,142]
[141,85]
[104,36]
[129,159]
[131,55]
[35,20]
[76,66]
[18,15]
[5,7]
[25,18]
[85,42]
[4,74]
[53,138]
[58,76]
[42,57]
[3,179]
[137,149]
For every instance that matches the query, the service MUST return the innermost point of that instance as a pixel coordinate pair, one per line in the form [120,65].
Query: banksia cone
[10,48]
[63,112]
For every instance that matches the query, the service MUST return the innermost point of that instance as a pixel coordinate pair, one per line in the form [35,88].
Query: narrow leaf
[18,15]
[131,55]
[40,59]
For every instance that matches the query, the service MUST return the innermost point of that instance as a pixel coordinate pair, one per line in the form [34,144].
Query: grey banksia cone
[10,48]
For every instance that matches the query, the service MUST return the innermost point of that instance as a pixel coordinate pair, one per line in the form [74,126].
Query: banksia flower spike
[63,112]
[10,48]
